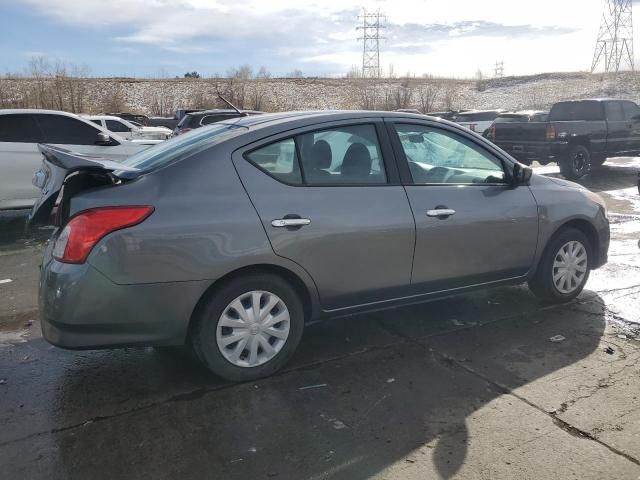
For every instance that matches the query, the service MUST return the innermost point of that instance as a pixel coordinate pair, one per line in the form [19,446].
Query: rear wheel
[249,328]
[564,267]
[577,163]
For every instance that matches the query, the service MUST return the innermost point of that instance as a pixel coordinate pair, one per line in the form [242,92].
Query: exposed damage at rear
[62,175]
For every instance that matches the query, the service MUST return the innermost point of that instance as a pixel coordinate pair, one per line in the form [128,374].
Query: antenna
[371,25]
[614,46]
[243,114]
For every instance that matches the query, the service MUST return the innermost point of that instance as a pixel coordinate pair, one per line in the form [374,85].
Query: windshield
[177,147]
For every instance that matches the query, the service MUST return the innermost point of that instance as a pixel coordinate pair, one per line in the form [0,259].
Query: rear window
[476,117]
[512,119]
[186,121]
[177,147]
[568,111]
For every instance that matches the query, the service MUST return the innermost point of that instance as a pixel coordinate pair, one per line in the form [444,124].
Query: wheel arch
[309,302]
[583,226]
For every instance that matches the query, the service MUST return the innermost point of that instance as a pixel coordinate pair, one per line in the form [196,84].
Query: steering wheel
[437,175]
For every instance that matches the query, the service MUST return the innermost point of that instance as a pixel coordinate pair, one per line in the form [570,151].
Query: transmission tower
[498,71]
[614,47]
[371,26]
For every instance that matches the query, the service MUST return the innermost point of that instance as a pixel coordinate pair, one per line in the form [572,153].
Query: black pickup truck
[578,135]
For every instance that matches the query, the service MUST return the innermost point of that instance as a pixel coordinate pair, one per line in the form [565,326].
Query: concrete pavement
[469,387]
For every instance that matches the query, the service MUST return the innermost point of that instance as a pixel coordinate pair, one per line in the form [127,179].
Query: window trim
[403,164]
[386,151]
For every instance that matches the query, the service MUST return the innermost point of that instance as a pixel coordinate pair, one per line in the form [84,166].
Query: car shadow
[363,394]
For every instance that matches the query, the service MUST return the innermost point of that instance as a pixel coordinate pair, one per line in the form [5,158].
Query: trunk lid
[72,171]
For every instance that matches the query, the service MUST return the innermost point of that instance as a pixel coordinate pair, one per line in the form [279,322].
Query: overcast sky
[440,37]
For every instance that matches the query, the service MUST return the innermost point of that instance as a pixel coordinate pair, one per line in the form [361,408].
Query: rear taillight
[491,135]
[86,228]
[551,133]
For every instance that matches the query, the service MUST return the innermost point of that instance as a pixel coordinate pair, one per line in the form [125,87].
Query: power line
[614,46]
[371,26]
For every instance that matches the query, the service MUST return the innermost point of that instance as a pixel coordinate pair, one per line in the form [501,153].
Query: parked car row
[22,130]
[579,135]
[129,129]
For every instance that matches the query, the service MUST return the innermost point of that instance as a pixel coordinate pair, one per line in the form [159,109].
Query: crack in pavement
[602,383]
[201,392]
[567,427]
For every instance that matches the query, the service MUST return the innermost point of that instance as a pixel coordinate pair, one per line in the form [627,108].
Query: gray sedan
[234,237]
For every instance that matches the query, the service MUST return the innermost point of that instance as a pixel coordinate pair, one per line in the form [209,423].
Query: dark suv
[195,120]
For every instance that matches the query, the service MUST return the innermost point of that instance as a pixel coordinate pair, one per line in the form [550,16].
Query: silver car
[234,237]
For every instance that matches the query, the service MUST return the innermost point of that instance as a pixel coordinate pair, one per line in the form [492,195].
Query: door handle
[290,222]
[441,213]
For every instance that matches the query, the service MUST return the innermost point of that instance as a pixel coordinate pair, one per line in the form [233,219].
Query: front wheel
[564,267]
[249,328]
[577,163]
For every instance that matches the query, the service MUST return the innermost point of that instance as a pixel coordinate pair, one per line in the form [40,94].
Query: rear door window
[348,155]
[572,111]
[342,155]
[613,111]
[18,128]
[63,130]
[631,111]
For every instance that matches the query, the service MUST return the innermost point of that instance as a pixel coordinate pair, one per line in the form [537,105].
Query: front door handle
[441,213]
[290,222]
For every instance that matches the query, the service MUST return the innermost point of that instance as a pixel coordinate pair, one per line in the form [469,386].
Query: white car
[129,130]
[477,121]
[20,133]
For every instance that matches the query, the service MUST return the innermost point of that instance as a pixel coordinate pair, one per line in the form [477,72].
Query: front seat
[356,165]
[319,160]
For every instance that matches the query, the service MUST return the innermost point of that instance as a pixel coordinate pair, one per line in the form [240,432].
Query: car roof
[31,111]
[104,117]
[603,99]
[320,116]
[220,111]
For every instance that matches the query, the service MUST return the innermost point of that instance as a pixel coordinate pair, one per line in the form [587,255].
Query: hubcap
[570,267]
[580,162]
[253,328]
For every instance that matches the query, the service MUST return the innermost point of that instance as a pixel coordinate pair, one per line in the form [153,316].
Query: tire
[543,285]
[209,335]
[577,163]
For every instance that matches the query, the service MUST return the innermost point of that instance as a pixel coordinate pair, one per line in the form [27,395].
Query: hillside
[163,96]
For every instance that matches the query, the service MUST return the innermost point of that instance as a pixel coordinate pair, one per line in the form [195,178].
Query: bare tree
[427,95]
[366,91]
[451,95]
[243,72]
[354,72]
[297,73]
[263,73]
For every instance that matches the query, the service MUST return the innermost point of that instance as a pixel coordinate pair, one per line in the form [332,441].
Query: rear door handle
[441,213]
[290,222]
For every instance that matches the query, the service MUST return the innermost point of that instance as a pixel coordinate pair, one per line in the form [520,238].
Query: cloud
[318,36]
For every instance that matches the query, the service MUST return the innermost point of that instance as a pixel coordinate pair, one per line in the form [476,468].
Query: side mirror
[521,175]
[103,139]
